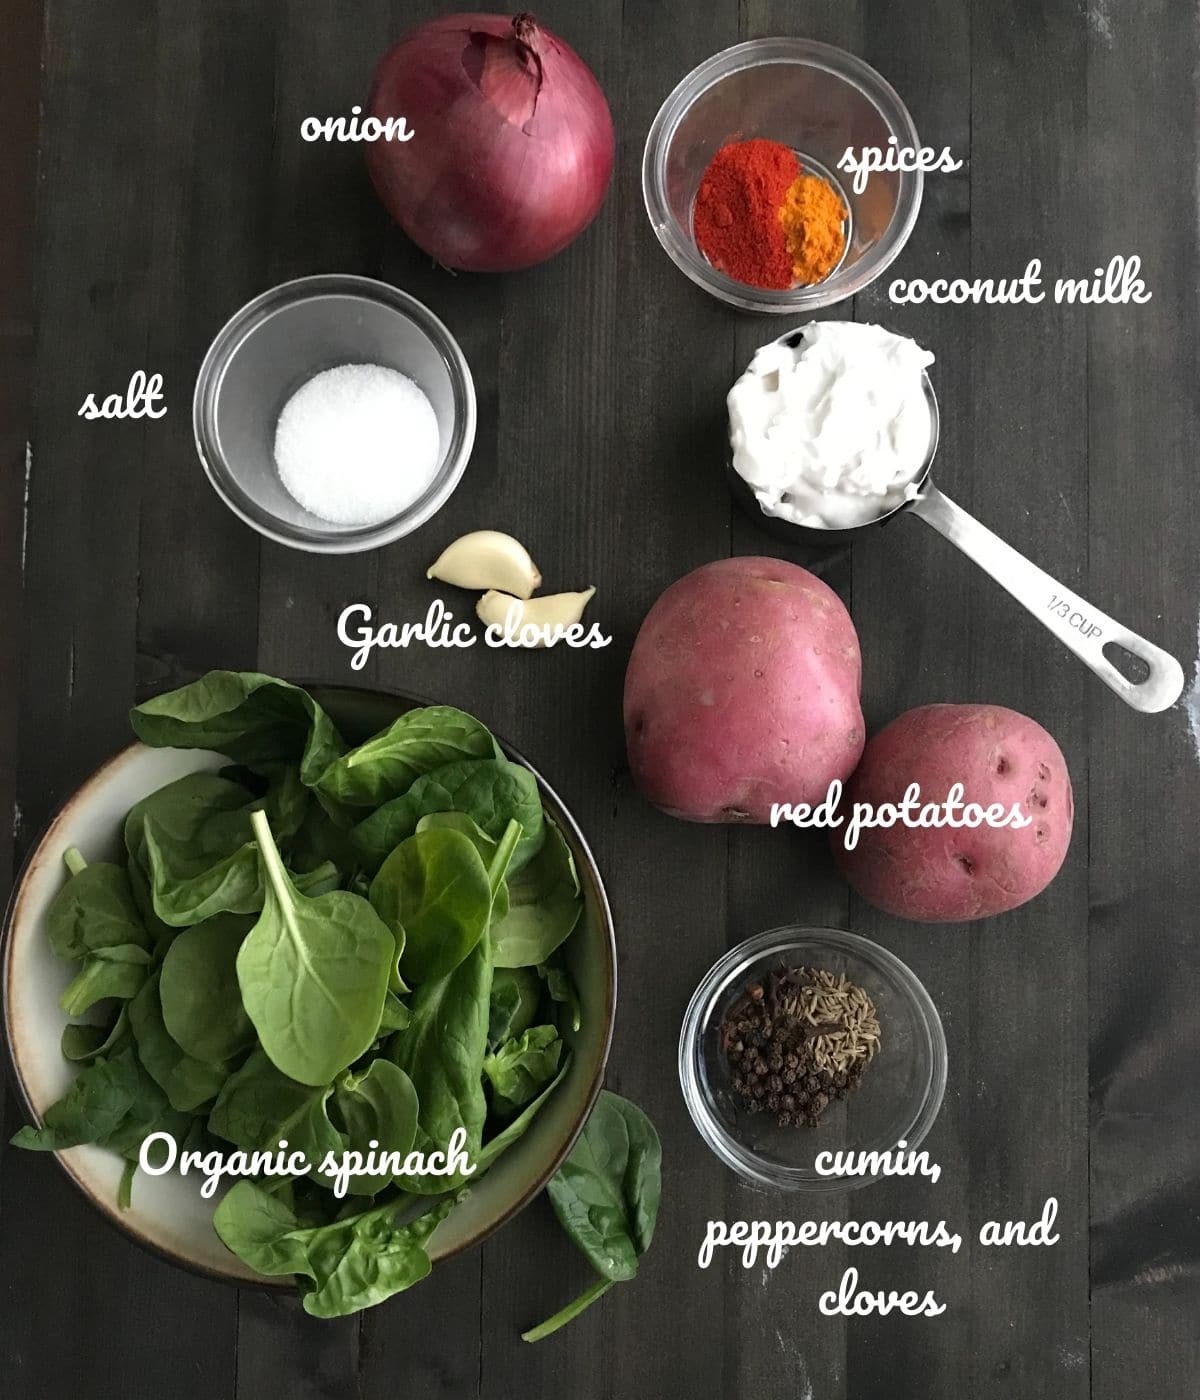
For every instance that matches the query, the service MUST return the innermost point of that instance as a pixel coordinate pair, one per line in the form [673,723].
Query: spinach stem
[570,1312]
[503,856]
[74,861]
[271,860]
[125,1189]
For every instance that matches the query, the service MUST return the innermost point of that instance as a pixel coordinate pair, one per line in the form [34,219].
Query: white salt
[357,445]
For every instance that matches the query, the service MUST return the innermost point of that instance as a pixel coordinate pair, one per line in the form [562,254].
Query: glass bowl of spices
[741,178]
[809,1041]
[334,414]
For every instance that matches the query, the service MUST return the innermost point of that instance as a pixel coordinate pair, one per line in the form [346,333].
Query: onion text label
[140,400]
[352,129]
[1118,284]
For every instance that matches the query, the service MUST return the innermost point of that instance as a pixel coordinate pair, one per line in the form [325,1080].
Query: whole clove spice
[798,1041]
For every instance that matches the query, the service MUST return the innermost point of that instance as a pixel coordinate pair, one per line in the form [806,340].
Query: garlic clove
[487,559]
[555,609]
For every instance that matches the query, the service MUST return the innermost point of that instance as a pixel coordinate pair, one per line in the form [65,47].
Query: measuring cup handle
[1077,624]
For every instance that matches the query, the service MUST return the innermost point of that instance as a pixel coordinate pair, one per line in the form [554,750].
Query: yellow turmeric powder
[813,218]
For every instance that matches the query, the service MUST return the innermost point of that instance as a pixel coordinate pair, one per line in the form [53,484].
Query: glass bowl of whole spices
[803,1041]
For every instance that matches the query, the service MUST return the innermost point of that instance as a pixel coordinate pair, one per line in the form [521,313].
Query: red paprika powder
[760,219]
[736,218]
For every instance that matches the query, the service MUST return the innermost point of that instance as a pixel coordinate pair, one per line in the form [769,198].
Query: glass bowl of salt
[334,414]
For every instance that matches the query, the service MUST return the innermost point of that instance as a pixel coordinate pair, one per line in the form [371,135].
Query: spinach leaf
[509,1134]
[432,892]
[83,1041]
[388,764]
[201,1001]
[95,1105]
[251,718]
[94,920]
[544,906]
[313,973]
[492,792]
[278,790]
[186,1081]
[606,1197]
[561,986]
[95,909]
[258,1106]
[483,843]
[442,1053]
[379,1105]
[361,1260]
[108,974]
[350,1264]
[196,811]
[320,839]
[460,822]
[286,801]
[521,1068]
[437,893]
[112,1102]
[188,889]
[204,812]
[149,1113]
[395,1016]
[516,992]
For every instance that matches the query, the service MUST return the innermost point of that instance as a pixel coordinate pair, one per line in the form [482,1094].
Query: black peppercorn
[770,1034]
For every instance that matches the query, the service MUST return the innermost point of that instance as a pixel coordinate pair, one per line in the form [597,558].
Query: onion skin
[496,182]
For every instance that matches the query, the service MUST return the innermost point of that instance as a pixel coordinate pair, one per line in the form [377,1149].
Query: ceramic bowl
[168,1214]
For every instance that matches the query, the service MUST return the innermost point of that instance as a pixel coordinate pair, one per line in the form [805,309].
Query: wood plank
[603,433]
[96,305]
[198,565]
[915,654]
[317,214]
[433,1335]
[1023,470]
[780,877]
[599,445]
[20,69]
[19,82]
[1144,970]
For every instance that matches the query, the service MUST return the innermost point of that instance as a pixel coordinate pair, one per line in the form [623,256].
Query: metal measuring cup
[1082,628]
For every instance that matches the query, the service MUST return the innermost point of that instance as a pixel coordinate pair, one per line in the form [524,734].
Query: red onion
[512,145]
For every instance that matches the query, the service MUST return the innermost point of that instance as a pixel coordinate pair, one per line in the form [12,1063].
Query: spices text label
[894,157]
[1119,283]
[140,400]
[438,629]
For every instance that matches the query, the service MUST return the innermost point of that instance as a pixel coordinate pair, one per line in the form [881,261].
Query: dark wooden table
[172,187]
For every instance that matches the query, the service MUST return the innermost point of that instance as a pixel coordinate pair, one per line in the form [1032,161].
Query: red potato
[947,875]
[743,691]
